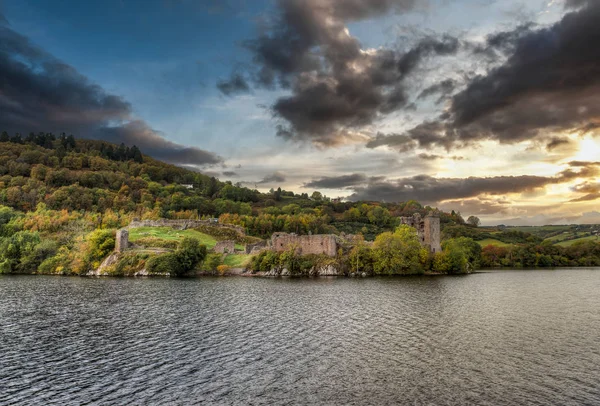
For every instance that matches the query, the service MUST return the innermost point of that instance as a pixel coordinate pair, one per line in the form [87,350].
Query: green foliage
[474,221]
[189,253]
[164,264]
[398,253]
[7,218]
[212,262]
[130,263]
[100,244]
[156,242]
[361,258]
[17,252]
[459,255]
[179,263]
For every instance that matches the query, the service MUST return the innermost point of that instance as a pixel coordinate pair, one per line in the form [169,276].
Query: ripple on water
[508,338]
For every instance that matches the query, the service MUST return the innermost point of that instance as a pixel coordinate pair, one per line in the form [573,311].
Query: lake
[509,337]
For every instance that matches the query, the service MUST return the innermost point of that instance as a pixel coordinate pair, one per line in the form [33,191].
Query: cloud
[234,85]
[337,87]
[434,157]
[38,92]
[431,190]
[150,142]
[276,177]
[556,142]
[547,84]
[591,190]
[443,88]
[230,174]
[399,142]
[478,206]
[337,182]
[577,3]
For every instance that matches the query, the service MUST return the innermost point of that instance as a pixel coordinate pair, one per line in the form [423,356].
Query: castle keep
[428,230]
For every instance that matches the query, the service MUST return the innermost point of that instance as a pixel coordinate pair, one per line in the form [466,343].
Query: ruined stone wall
[432,233]
[428,230]
[255,248]
[225,247]
[305,244]
[122,240]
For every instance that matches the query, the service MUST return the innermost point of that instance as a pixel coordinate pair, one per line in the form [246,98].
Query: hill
[61,200]
[65,173]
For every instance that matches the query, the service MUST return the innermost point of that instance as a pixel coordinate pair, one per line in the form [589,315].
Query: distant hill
[63,172]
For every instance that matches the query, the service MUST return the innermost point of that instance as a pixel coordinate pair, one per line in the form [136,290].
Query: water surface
[511,338]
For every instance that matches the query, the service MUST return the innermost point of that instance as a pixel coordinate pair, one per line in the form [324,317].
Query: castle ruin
[428,230]
[225,247]
[305,244]
[122,240]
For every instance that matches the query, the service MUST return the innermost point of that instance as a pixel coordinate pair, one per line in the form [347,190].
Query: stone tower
[431,233]
[122,240]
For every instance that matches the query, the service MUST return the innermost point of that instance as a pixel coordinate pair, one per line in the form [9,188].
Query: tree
[189,253]
[459,255]
[212,262]
[398,253]
[316,196]
[474,221]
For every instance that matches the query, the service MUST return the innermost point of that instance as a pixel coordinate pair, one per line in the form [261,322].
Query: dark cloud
[230,174]
[426,134]
[337,182]
[548,84]
[502,43]
[434,157]
[400,142]
[234,85]
[477,206]
[337,87]
[443,89]
[277,177]
[591,190]
[40,93]
[427,189]
[551,82]
[556,142]
[151,143]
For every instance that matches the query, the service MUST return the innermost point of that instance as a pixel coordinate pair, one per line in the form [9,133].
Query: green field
[237,260]
[170,234]
[491,241]
[571,242]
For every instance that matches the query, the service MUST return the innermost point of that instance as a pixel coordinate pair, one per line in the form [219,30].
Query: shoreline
[265,275]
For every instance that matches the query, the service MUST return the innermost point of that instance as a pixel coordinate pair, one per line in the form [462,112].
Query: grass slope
[237,260]
[491,241]
[170,234]
[571,242]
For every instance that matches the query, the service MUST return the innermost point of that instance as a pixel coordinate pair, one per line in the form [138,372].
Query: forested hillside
[65,173]
[61,200]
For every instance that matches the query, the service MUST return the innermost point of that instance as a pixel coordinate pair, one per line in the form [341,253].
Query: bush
[164,264]
[212,262]
[223,269]
[129,264]
[182,261]
[100,244]
[16,249]
[190,253]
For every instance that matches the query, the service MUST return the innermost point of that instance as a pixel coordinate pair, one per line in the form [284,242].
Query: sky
[487,107]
